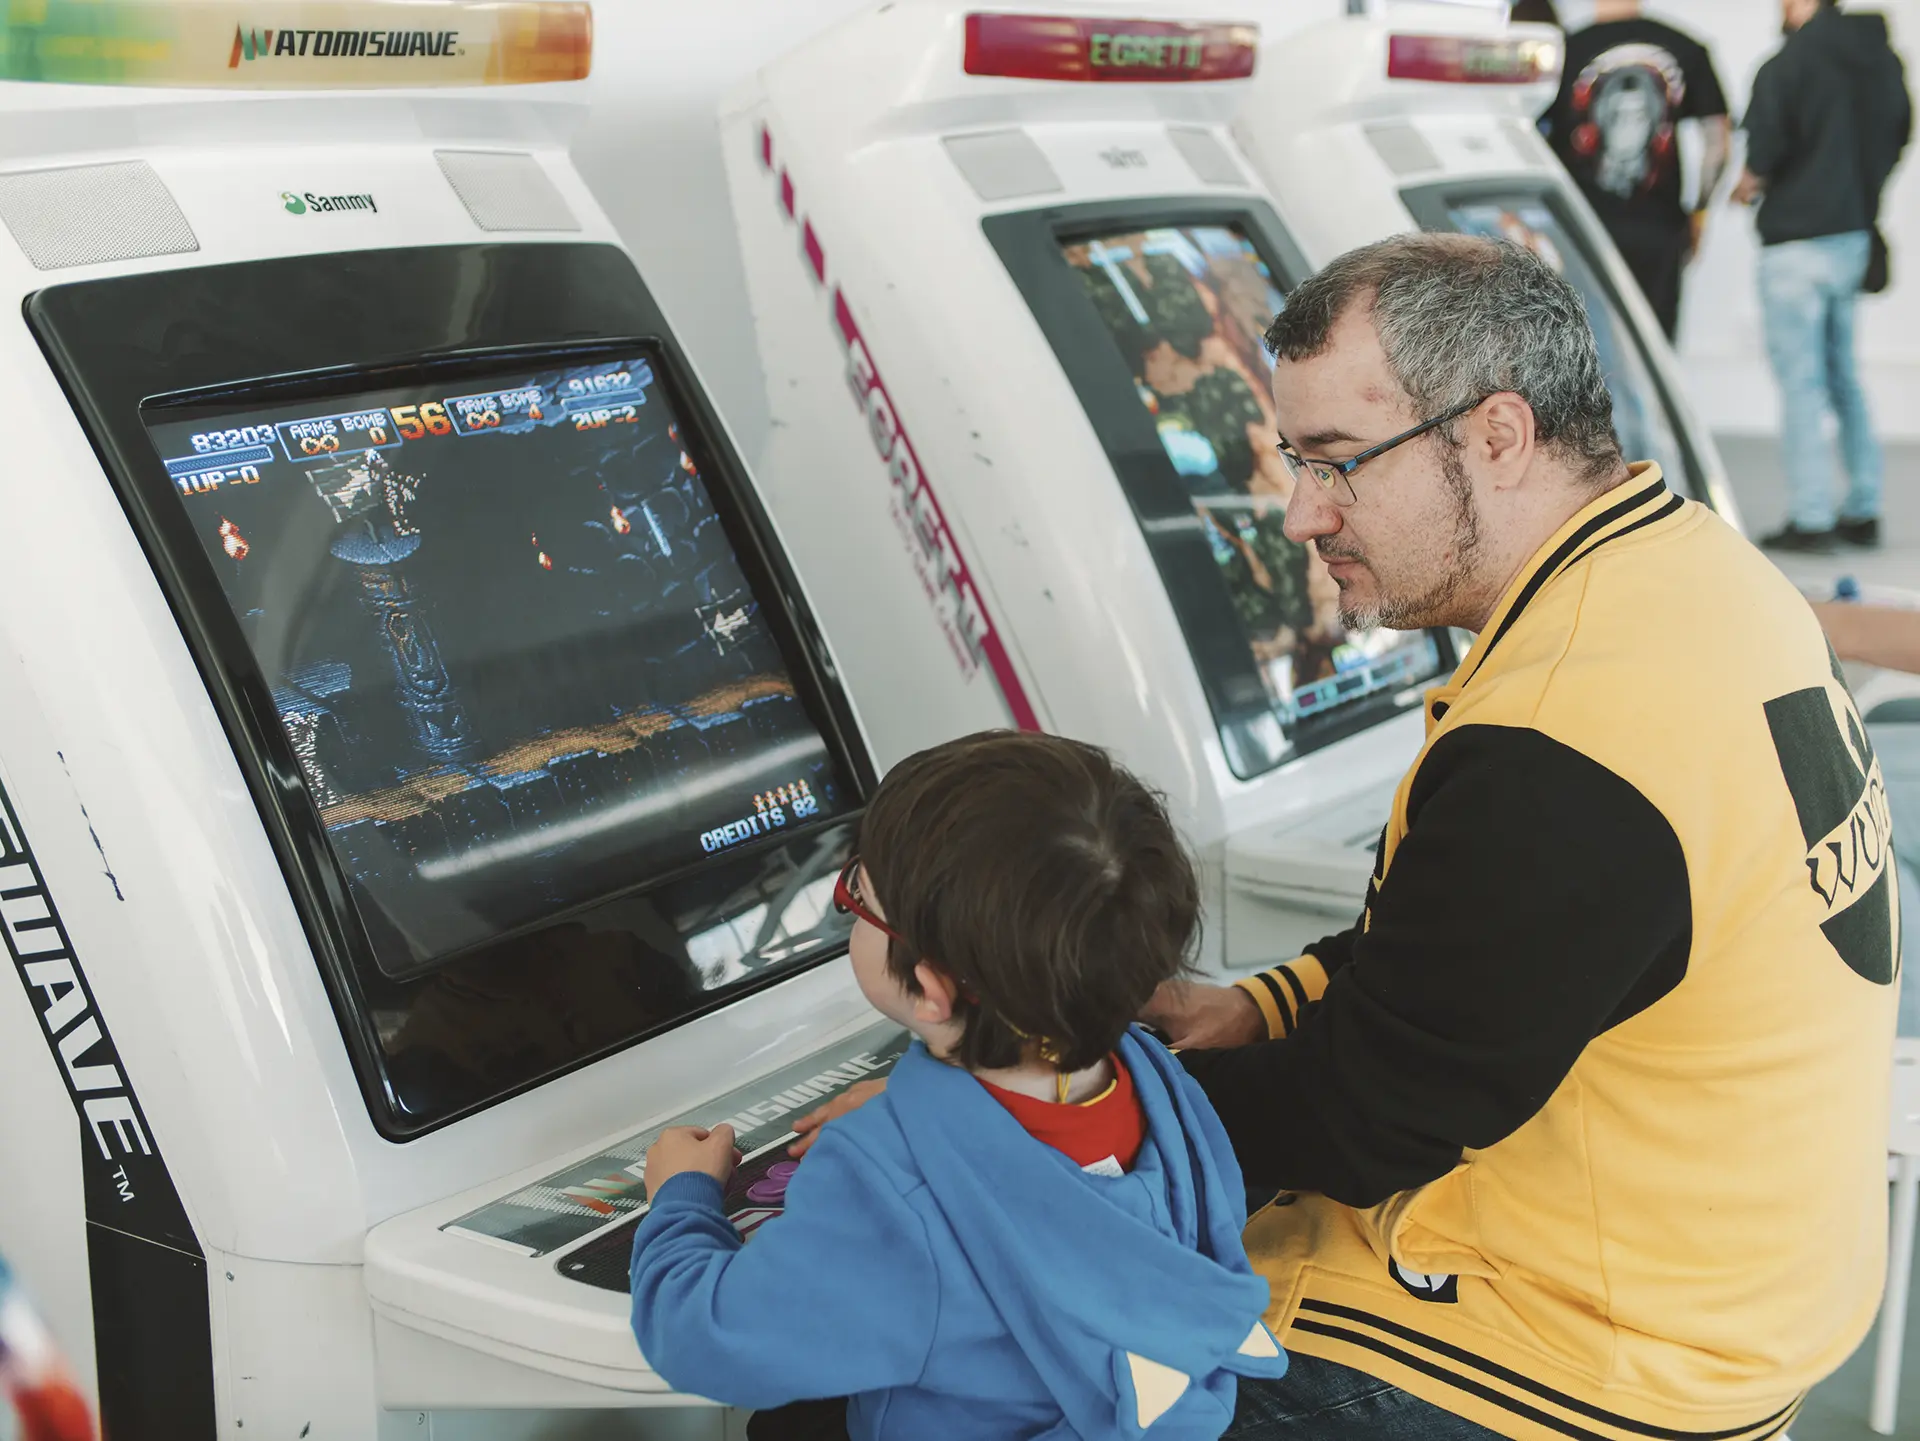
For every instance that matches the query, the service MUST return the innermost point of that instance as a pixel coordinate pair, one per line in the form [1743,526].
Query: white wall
[1721,347]
[659,120]
[660,69]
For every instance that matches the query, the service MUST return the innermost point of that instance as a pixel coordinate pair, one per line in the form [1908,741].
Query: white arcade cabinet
[420,767]
[1422,116]
[1010,274]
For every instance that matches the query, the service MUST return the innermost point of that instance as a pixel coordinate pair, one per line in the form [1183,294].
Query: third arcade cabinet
[1010,274]
[1421,116]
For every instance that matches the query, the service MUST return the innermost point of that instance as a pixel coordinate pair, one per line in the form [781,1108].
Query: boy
[1035,1230]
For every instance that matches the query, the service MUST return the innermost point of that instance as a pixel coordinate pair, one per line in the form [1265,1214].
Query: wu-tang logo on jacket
[1624,106]
[1841,799]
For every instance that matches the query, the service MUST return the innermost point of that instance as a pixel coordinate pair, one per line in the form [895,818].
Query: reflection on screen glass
[1639,416]
[1187,306]
[514,652]
[537,1002]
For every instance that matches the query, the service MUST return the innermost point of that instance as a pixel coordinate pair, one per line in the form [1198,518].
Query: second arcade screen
[1187,306]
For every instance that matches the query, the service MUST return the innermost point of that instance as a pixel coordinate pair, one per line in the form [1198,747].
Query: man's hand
[689,1148]
[1205,1018]
[852,1099]
[1748,188]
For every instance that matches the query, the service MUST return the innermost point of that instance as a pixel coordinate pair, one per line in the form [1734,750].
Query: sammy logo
[301,204]
[1444,1290]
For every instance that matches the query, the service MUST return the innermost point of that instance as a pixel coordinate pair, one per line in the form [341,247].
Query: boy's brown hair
[1040,875]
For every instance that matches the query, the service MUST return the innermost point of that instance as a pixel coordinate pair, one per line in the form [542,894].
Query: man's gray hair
[1459,318]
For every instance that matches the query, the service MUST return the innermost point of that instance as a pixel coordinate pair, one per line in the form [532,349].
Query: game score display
[586,402]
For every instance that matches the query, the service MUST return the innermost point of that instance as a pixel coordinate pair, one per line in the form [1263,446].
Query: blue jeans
[1807,293]
[1325,1402]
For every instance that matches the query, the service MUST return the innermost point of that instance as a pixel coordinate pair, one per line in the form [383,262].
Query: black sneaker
[1859,532]
[1806,542]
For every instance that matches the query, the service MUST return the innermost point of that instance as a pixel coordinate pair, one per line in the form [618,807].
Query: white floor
[1753,465]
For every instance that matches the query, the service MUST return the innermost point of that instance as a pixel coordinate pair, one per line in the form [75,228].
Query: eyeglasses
[1335,477]
[849,902]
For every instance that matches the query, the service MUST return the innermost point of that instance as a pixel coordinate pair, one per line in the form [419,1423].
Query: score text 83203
[215,441]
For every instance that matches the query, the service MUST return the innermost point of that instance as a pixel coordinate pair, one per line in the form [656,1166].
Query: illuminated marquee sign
[1086,48]
[1472,60]
[296,44]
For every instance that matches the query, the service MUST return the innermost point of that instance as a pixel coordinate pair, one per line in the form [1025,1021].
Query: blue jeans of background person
[1807,294]
[1319,1400]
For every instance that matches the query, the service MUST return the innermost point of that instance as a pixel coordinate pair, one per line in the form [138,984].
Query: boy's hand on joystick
[690,1148]
[852,1099]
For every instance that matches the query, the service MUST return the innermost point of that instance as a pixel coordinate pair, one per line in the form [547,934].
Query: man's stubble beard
[1429,608]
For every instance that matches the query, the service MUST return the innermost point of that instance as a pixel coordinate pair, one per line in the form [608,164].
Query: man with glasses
[1579,1131]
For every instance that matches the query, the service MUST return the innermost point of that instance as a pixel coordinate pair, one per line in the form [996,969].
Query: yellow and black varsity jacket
[1581,1129]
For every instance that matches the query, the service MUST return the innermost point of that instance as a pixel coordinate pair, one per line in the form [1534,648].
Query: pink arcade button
[771,1189]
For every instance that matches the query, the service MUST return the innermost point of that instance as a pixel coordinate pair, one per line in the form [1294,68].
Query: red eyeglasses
[847,900]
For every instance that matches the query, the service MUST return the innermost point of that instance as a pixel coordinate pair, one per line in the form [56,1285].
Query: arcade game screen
[514,651]
[1639,414]
[1187,306]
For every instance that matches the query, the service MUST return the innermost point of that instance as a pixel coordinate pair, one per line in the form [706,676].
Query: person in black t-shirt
[1628,83]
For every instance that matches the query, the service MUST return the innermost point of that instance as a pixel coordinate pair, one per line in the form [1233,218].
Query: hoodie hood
[1828,119]
[1134,1285]
[1856,39]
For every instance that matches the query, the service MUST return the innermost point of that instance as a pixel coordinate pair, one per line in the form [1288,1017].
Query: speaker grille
[92,214]
[1527,145]
[1002,164]
[1404,149]
[1207,156]
[505,190]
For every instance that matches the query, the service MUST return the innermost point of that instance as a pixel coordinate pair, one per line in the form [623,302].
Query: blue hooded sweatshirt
[958,1278]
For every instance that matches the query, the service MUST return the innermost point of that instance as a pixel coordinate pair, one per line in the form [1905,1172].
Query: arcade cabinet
[420,765]
[1010,273]
[1422,116]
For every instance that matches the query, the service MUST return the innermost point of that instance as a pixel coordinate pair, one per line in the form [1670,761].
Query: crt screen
[1187,306]
[1639,414]
[510,641]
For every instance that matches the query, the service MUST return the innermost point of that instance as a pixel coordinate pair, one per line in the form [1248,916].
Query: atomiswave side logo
[251,45]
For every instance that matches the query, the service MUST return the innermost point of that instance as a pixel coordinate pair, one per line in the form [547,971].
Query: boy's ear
[938,991]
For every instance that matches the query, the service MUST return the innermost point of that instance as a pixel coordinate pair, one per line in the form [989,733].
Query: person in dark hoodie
[1828,119]
[1035,1230]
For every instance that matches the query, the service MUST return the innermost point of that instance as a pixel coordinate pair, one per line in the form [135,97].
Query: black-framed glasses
[1335,477]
